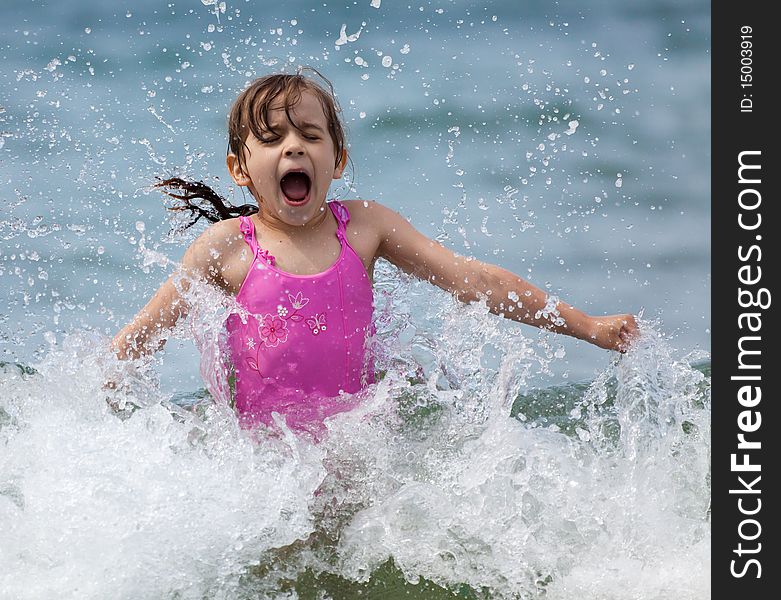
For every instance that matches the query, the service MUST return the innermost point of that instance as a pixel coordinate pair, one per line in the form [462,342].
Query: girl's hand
[613,332]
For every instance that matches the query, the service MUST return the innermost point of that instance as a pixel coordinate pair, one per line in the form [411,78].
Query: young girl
[301,268]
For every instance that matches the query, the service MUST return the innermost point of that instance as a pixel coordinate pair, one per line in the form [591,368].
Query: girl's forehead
[307,108]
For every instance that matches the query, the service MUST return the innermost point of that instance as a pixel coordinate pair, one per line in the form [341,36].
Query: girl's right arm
[208,258]
[142,335]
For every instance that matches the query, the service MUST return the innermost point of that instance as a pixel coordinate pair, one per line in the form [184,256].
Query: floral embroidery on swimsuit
[273,330]
[298,301]
[316,323]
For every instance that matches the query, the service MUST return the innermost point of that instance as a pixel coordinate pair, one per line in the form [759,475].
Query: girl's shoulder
[370,215]
[366,216]
[217,245]
[360,205]
[219,236]
[364,210]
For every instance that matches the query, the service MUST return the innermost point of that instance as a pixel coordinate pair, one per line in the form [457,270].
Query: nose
[293,146]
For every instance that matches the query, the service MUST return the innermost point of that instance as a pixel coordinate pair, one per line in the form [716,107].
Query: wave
[446,480]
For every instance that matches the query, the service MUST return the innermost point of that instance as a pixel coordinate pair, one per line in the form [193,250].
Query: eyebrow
[307,125]
[301,125]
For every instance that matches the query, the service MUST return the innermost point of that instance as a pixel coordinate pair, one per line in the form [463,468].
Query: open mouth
[295,186]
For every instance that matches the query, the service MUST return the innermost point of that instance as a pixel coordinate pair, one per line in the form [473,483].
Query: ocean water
[568,142]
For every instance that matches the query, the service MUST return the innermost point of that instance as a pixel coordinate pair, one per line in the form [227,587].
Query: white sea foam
[160,504]
[473,496]
[431,471]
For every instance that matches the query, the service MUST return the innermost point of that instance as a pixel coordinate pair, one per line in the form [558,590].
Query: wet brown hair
[250,111]
[250,114]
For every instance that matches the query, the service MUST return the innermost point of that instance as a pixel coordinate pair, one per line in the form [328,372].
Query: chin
[300,215]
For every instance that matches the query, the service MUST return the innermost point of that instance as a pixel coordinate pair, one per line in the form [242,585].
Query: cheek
[328,163]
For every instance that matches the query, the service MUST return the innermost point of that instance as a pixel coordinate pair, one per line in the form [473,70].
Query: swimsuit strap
[342,218]
[248,229]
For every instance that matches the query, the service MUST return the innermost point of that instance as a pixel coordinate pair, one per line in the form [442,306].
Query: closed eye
[273,139]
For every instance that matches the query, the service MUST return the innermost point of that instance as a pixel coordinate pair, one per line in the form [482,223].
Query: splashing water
[154,505]
[447,469]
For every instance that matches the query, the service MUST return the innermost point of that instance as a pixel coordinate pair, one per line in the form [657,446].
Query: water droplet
[53,64]
[584,435]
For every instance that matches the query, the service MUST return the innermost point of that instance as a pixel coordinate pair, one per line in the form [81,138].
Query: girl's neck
[274,224]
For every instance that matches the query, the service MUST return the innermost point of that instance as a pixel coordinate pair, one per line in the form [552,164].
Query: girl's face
[289,174]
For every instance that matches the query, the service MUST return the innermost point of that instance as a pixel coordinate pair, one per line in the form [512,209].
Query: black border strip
[747,127]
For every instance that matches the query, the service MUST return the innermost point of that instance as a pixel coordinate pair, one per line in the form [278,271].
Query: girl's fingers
[627,333]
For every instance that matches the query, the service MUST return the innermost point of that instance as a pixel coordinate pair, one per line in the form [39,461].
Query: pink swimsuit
[305,338]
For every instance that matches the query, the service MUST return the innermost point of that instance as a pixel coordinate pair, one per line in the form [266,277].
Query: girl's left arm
[505,293]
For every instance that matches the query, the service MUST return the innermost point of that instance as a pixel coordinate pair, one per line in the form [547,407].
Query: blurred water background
[566,141]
